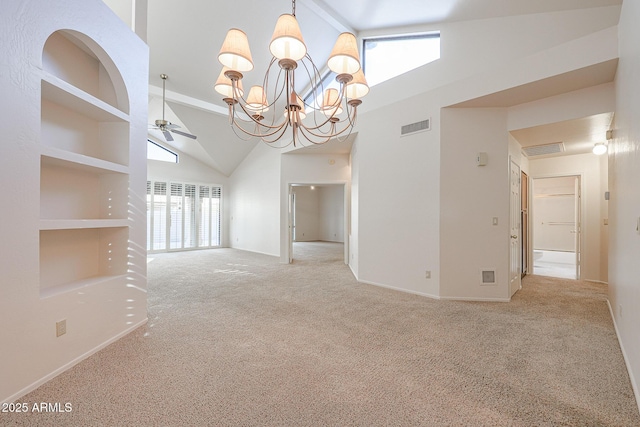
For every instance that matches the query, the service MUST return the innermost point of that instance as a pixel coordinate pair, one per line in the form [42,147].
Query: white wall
[331,212]
[307,216]
[133,13]
[319,213]
[624,206]
[398,196]
[472,47]
[255,202]
[429,180]
[190,170]
[31,353]
[588,167]
[471,196]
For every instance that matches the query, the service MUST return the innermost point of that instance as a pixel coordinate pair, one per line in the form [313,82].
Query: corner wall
[471,196]
[255,202]
[624,205]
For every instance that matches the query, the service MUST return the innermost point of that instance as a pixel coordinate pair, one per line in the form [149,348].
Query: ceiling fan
[164,126]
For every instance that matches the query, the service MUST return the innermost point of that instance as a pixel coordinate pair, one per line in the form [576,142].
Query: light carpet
[238,339]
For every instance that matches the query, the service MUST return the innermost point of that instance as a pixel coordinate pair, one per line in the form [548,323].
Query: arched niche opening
[78,60]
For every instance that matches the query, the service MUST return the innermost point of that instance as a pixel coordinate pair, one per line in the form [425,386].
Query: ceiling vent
[541,150]
[415,127]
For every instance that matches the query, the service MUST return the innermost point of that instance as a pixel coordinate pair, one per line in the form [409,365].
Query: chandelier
[329,114]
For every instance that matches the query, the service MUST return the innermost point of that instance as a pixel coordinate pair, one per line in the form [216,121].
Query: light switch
[482,158]
[495,220]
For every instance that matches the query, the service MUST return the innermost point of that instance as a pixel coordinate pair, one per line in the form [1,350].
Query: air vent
[541,150]
[415,127]
[488,277]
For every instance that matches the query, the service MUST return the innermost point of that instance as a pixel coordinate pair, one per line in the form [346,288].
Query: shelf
[76,191]
[79,284]
[74,257]
[60,92]
[72,224]
[57,157]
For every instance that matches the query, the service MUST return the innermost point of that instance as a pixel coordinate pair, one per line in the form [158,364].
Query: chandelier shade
[235,53]
[276,106]
[331,103]
[224,85]
[358,87]
[287,41]
[344,58]
[257,100]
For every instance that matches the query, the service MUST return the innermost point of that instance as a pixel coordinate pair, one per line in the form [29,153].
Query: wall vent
[488,277]
[415,127]
[541,150]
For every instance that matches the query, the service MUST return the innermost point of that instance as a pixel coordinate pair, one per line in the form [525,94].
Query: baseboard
[475,299]
[634,385]
[380,285]
[48,377]
[596,281]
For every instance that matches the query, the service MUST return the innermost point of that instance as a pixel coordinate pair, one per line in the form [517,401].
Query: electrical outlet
[427,274]
[61,327]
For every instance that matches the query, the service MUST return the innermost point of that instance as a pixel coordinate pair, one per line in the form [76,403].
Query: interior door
[577,221]
[514,229]
[524,223]
[291,214]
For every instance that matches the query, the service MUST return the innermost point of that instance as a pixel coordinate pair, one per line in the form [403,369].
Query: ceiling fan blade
[188,135]
[167,135]
[171,126]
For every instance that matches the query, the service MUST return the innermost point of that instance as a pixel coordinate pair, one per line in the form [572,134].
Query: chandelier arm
[333,132]
[265,83]
[334,106]
[273,129]
[321,139]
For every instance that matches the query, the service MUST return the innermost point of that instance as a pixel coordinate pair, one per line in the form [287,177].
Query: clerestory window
[384,58]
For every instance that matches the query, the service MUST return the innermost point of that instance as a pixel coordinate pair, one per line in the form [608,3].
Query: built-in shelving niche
[84,174]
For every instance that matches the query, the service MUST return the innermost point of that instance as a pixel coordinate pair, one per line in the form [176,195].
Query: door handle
[514,236]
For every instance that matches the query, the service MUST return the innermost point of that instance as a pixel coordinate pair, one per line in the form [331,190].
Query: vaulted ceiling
[185,37]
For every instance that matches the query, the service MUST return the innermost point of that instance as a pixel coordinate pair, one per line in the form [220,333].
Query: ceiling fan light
[257,100]
[358,87]
[599,149]
[287,41]
[344,58]
[223,85]
[235,53]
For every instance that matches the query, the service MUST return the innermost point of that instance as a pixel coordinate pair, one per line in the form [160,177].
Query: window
[182,216]
[387,57]
[156,151]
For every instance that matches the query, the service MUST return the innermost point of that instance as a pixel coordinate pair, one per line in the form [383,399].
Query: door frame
[515,281]
[580,208]
[288,249]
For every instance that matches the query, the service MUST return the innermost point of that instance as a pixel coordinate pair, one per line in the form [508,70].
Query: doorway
[317,213]
[556,226]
